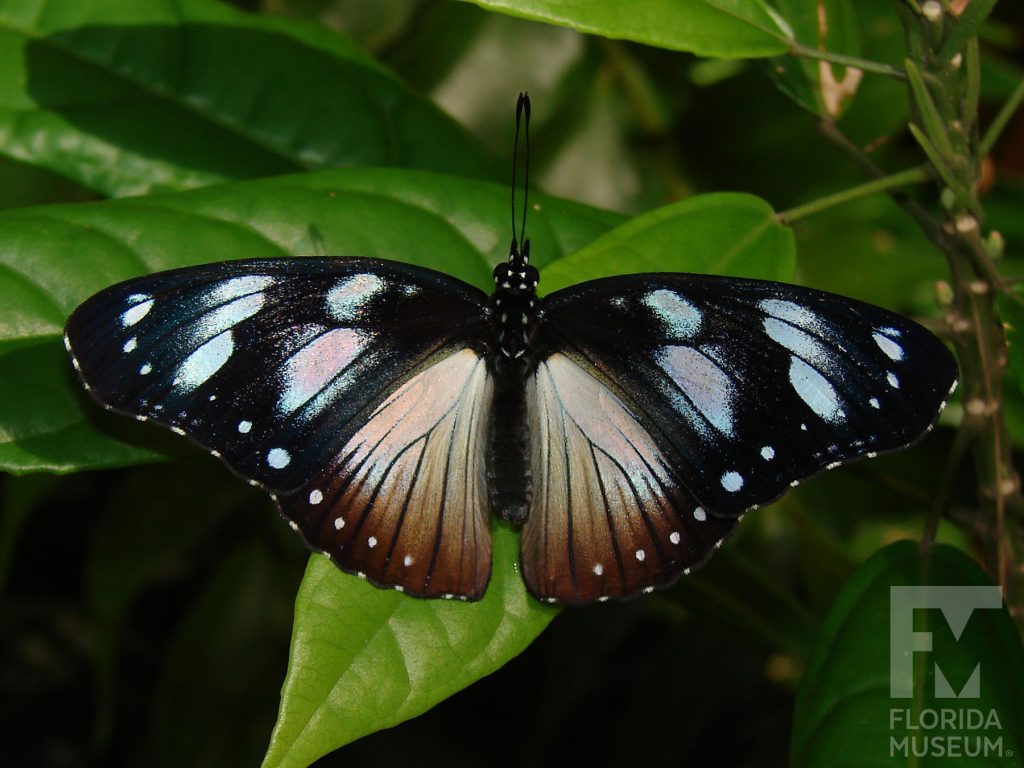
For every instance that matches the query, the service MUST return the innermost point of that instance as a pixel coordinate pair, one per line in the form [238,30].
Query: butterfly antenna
[522,107]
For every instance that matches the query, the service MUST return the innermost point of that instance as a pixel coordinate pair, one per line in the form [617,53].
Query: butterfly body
[515,313]
[625,423]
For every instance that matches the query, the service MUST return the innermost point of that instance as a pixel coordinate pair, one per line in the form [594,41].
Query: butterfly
[626,423]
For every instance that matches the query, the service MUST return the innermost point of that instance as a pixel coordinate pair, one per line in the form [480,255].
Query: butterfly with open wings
[625,423]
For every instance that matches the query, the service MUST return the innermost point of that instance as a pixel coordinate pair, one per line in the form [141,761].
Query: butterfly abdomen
[509,480]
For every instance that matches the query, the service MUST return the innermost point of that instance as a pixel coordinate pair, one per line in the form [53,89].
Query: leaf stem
[799,49]
[1001,119]
[901,179]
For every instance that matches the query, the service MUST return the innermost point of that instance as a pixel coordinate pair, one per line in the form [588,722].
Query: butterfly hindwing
[289,370]
[610,517]
[748,386]
[404,502]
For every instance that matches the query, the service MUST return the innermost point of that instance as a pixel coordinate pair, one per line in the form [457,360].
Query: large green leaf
[364,658]
[52,258]
[727,29]
[127,98]
[845,715]
[720,234]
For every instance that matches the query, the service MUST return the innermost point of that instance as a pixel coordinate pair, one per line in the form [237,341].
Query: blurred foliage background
[146,612]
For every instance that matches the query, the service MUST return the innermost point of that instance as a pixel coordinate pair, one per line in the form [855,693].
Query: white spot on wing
[674,537]
[229,302]
[891,349]
[873,402]
[407,561]
[371,542]
[893,381]
[791,313]
[132,315]
[680,316]
[797,341]
[146,369]
[278,458]
[350,294]
[732,481]
[767,453]
[640,555]
[339,523]
[244,426]
[228,315]
[598,569]
[699,514]
[315,497]
[234,287]
[815,390]
[205,361]
[130,345]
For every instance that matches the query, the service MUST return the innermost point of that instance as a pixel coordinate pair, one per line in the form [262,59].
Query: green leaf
[53,258]
[934,126]
[845,700]
[822,88]
[363,658]
[128,98]
[720,234]
[727,29]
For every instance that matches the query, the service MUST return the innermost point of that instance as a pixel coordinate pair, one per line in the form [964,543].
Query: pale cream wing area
[609,518]
[404,503]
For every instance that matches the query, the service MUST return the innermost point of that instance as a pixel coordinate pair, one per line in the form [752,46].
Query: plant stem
[866,65]
[944,101]
[901,179]
[1001,119]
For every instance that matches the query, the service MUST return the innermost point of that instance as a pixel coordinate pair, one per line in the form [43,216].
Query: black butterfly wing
[744,387]
[301,375]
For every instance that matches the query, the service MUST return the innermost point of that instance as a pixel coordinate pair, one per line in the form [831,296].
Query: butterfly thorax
[515,308]
[515,313]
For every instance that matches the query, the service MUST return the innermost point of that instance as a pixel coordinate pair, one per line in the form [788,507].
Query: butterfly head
[516,275]
[515,307]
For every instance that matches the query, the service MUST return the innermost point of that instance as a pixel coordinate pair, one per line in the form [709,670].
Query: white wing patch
[706,388]
[137,311]
[679,316]
[205,361]
[350,294]
[815,390]
[316,372]
[891,349]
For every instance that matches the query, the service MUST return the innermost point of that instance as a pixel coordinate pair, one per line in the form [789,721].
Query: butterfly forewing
[610,516]
[748,387]
[294,369]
